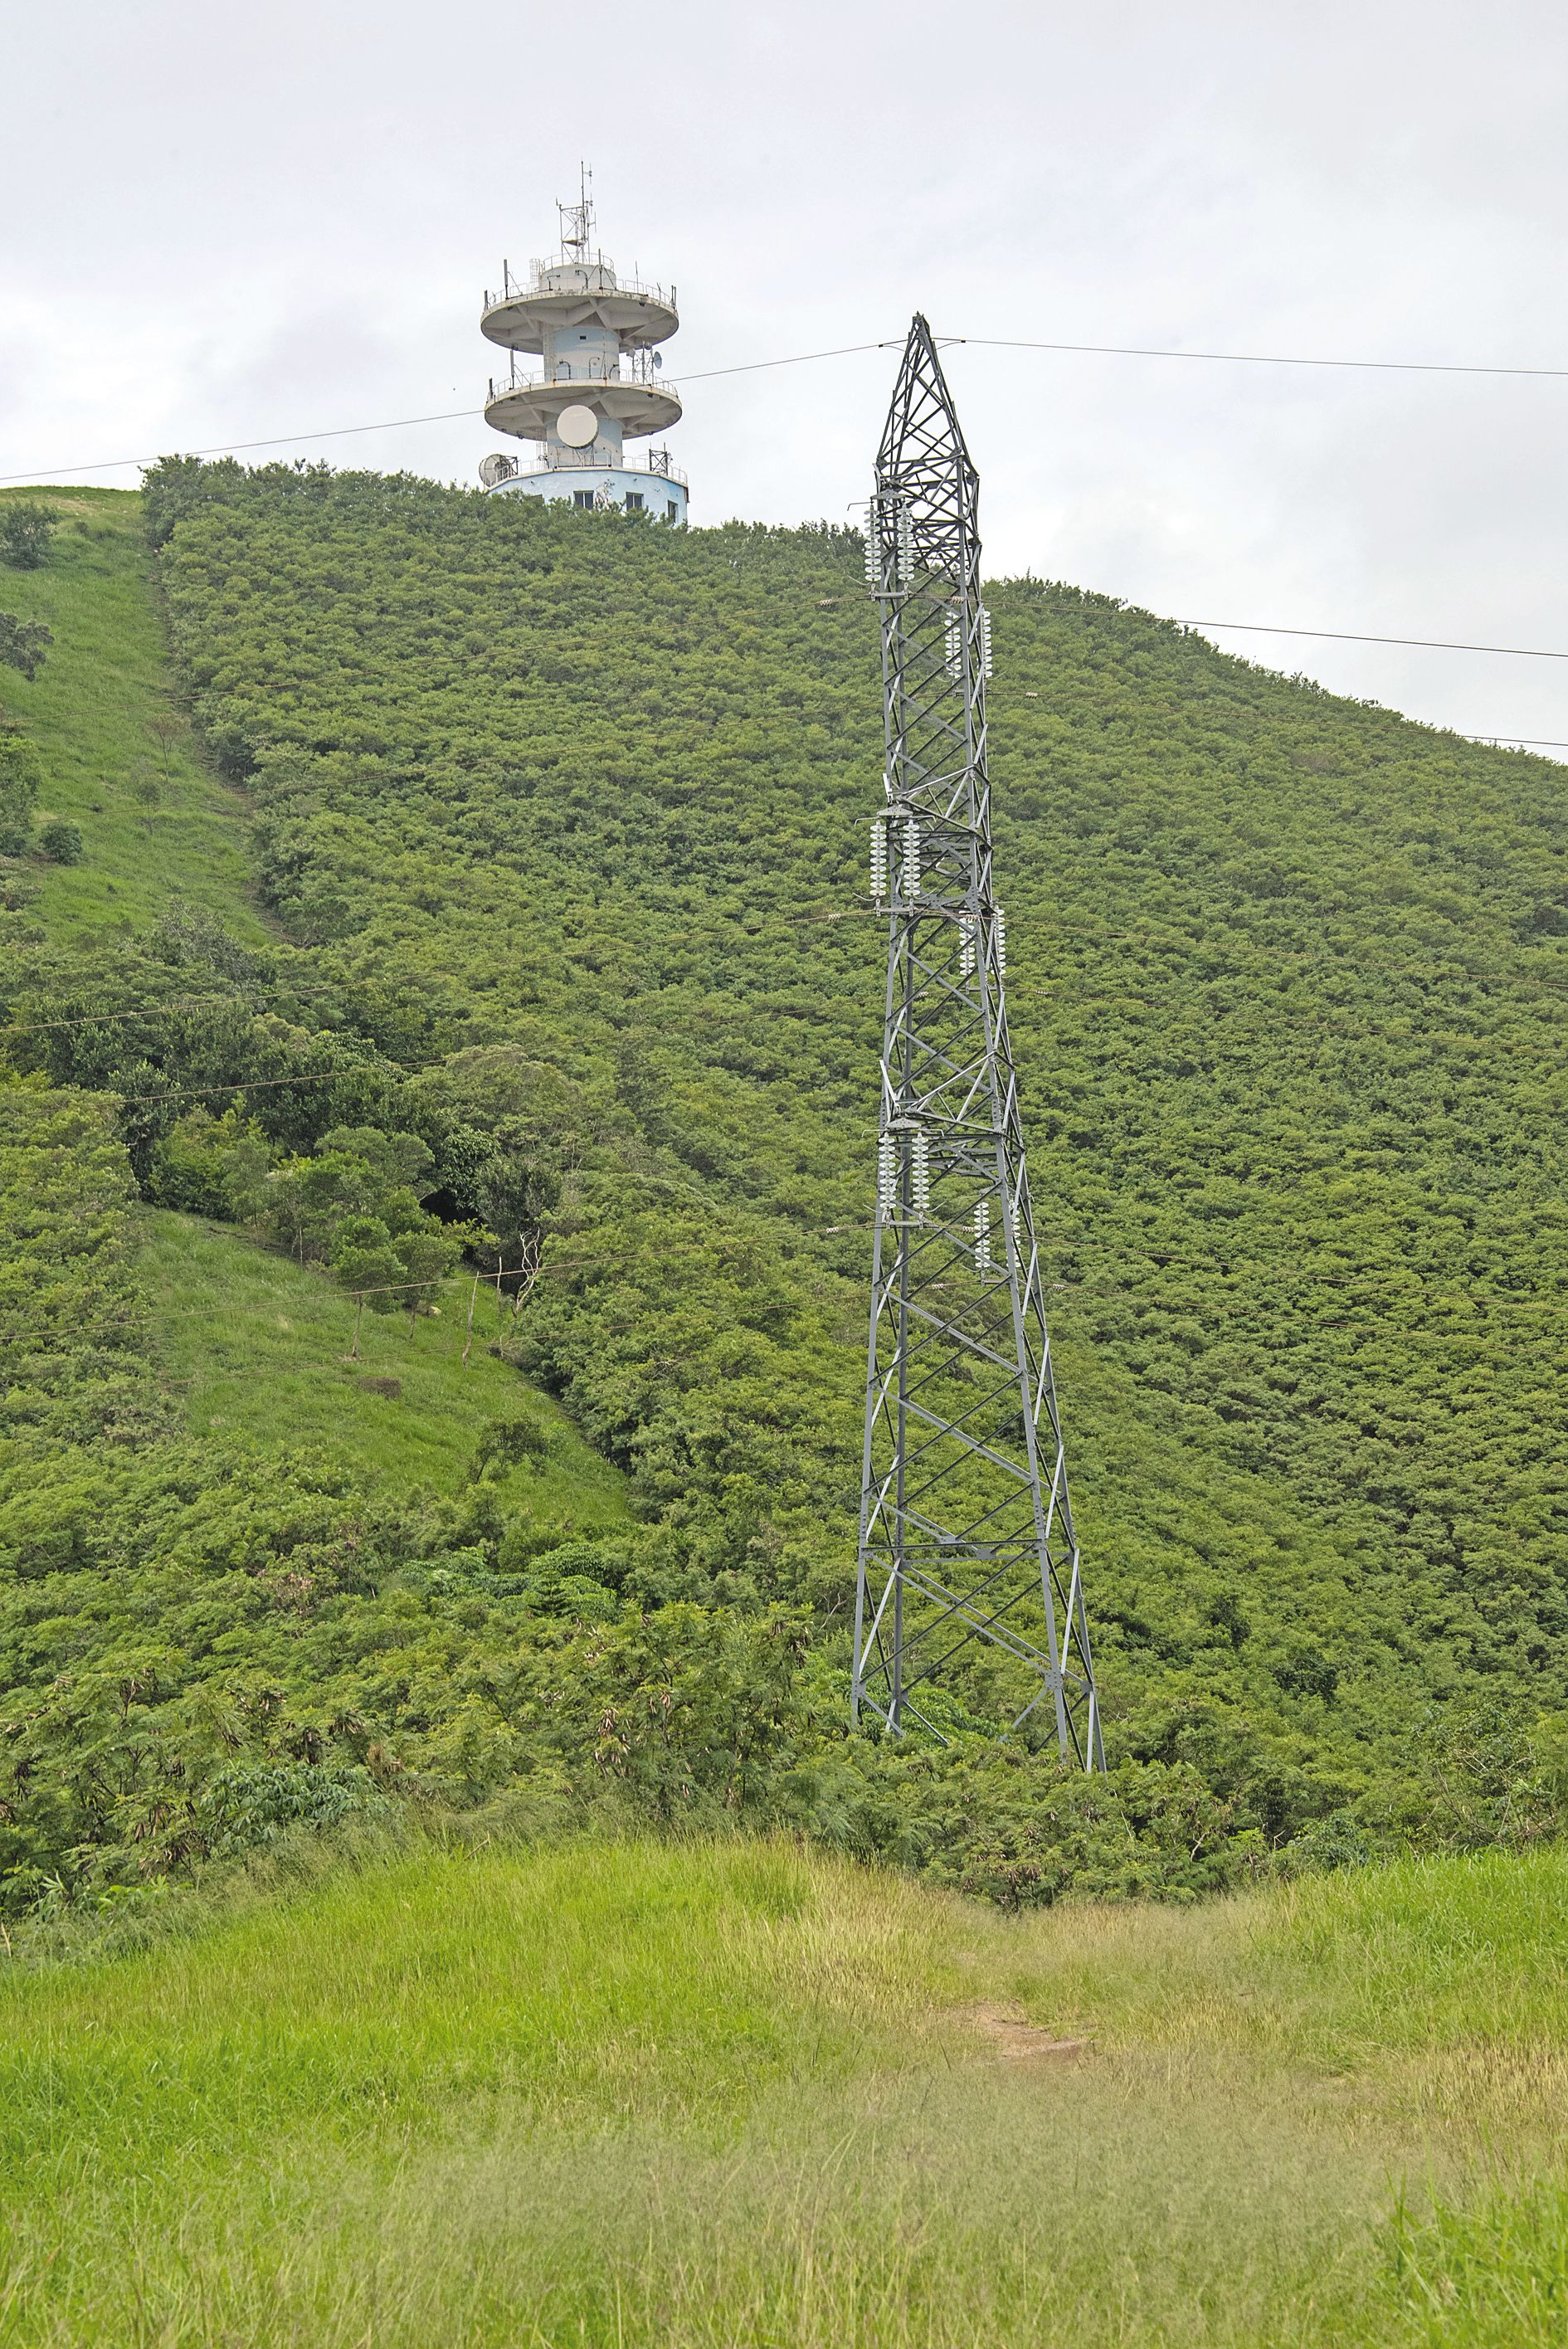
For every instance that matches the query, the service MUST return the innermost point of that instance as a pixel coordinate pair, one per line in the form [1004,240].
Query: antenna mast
[967,1531]
[577,220]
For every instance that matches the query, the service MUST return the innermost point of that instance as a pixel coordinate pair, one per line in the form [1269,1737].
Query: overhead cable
[1357,636]
[1525,741]
[1263,358]
[166,1003]
[400,423]
[239,448]
[392,1075]
[800,359]
[845,350]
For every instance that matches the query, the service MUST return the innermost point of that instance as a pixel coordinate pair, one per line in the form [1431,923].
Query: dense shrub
[61,841]
[560,818]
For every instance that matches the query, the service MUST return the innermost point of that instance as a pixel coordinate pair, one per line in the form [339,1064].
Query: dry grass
[735,2094]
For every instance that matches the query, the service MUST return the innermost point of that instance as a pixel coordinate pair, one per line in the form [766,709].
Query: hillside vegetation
[255,1344]
[156,821]
[559,828]
[715,2094]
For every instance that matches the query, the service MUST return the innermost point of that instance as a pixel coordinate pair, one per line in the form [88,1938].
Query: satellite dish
[497,467]
[577,426]
[658,358]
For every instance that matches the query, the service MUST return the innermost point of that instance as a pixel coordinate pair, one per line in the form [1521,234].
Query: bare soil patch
[1013,2040]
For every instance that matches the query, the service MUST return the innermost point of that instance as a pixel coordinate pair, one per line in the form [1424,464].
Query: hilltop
[556,827]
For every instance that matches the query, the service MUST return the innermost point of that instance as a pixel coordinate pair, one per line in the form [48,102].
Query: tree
[366,1263]
[20,774]
[23,643]
[25,530]
[430,1253]
[189,934]
[304,1201]
[397,1160]
[210,1166]
[515,1191]
[165,730]
[145,791]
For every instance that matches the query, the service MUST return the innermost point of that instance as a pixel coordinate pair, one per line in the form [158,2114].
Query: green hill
[559,823]
[713,2094]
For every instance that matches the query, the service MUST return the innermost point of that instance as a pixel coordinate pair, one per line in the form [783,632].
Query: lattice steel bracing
[968,1553]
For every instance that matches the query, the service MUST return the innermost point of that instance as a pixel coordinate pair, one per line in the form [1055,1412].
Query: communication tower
[966,1530]
[599,381]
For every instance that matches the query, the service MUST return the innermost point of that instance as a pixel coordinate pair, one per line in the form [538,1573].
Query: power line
[239,448]
[169,1003]
[1356,636]
[262,1084]
[1481,1300]
[843,350]
[391,1071]
[150,1310]
[1265,358]
[1525,741]
[800,359]
[401,423]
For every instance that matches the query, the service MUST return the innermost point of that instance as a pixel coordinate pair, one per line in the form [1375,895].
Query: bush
[61,841]
[19,776]
[196,1166]
[25,532]
[23,643]
[251,1806]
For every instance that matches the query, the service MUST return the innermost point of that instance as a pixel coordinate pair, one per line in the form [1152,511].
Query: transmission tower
[967,1531]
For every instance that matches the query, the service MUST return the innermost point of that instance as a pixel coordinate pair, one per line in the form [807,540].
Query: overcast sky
[227,223]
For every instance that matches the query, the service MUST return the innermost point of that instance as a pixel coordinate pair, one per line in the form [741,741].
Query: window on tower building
[583,498]
[633,502]
[671,510]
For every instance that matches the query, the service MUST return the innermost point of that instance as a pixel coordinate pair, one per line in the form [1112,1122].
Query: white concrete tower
[600,382]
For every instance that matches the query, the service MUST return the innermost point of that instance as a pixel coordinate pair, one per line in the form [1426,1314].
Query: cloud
[280,218]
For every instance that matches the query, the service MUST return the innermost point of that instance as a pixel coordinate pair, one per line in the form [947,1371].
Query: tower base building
[654,487]
[599,382]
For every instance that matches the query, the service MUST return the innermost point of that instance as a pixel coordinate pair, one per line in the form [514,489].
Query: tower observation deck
[599,381]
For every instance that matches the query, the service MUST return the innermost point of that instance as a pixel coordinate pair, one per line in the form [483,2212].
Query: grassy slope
[221,1307]
[725,2095]
[261,1349]
[90,709]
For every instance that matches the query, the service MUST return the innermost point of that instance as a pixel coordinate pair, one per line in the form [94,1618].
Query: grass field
[102,713]
[734,2094]
[258,1347]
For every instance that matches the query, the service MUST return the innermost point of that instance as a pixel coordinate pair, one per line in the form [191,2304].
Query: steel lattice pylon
[967,1531]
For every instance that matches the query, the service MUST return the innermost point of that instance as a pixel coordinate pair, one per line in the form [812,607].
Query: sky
[229,224]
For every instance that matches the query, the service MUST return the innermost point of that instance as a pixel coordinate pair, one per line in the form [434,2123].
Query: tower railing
[647,378]
[539,269]
[560,458]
